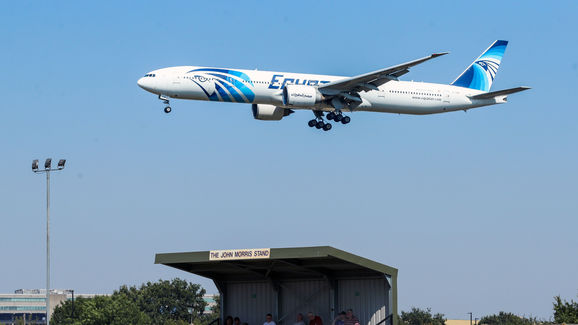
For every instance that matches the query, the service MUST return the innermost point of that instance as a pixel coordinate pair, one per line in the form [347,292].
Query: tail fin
[481,73]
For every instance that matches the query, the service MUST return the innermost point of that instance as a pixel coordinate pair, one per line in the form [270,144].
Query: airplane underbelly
[406,104]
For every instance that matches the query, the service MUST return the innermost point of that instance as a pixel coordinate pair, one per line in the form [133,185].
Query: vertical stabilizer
[481,73]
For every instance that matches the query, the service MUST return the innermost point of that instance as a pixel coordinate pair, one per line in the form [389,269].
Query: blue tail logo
[224,85]
[481,73]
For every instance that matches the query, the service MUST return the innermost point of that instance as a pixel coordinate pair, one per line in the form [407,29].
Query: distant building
[30,304]
[460,322]
[211,301]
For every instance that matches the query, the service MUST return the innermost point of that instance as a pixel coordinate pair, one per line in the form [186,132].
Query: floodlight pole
[47,169]
[47,246]
[72,304]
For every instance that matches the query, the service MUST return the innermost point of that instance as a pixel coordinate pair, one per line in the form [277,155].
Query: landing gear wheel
[346,119]
[327,127]
[330,116]
[165,100]
[338,118]
[312,123]
[320,125]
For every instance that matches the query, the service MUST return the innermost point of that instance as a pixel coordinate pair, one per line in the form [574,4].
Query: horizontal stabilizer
[494,94]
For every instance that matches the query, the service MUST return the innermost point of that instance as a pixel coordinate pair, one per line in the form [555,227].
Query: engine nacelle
[301,96]
[269,112]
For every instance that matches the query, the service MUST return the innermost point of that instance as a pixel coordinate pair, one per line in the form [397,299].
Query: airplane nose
[147,83]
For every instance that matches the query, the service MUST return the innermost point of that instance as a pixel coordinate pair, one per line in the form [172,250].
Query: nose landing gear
[165,100]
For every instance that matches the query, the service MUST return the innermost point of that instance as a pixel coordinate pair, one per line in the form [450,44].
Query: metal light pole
[190,310]
[47,169]
[470,317]
[72,304]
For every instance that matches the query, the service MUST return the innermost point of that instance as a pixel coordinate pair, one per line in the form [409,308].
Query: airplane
[275,95]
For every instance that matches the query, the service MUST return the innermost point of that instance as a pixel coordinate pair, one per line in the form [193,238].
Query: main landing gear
[338,117]
[165,100]
[319,123]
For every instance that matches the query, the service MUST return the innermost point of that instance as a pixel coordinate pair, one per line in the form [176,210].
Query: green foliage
[504,318]
[176,322]
[162,302]
[167,300]
[216,308]
[19,321]
[205,319]
[208,318]
[100,310]
[422,317]
[564,311]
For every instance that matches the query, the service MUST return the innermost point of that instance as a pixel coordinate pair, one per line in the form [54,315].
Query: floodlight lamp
[61,163]
[48,163]
[35,165]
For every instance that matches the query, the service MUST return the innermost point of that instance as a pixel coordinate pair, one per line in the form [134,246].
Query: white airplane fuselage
[266,87]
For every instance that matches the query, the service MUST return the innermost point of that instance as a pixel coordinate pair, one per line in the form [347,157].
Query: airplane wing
[371,80]
[499,93]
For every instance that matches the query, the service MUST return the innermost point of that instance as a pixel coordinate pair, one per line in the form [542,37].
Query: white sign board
[240,254]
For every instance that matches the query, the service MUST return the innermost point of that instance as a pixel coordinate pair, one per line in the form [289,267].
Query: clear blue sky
[478,210]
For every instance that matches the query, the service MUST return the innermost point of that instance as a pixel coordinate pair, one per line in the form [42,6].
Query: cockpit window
[152,75]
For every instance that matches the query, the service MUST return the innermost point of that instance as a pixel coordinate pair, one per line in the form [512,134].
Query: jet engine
[265,112]
[301,96]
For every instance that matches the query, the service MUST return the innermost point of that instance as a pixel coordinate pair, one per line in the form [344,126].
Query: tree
[100,310]
[176,322]
[504,318]
[19,321]
[216,308]
[167,300]
[206,319]
[422,317]
[564,311]
[162,302]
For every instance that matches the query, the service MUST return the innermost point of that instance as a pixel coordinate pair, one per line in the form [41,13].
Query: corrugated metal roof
[286,263]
